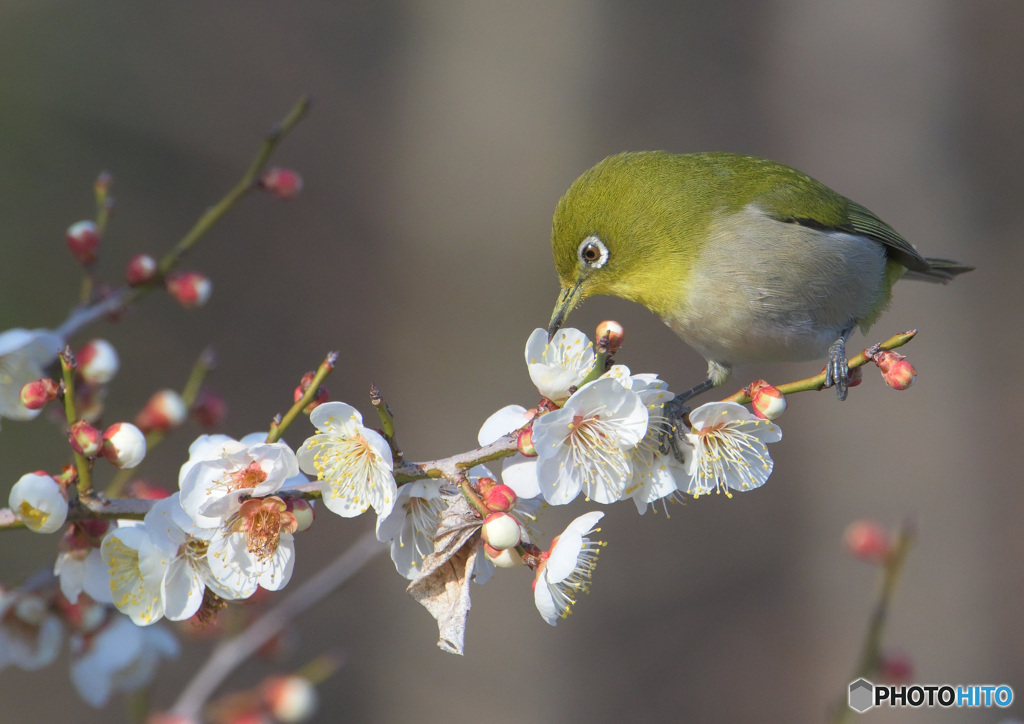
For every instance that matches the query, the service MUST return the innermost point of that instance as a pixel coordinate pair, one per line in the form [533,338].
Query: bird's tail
[939,270]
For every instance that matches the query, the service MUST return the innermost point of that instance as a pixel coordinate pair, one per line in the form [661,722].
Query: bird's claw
[668,439]
[837,370]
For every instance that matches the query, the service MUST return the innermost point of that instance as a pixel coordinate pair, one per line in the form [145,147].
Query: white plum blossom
[518,471]
[23,354]
[30,635]
[120,657]
[412,524]
[656,475]
[560,364]
[39,502]
[184,560]
[255,548]
[729,450]
[79,566]
[136,567]
[353,461]
[221,472]
[586,445]
[565,569]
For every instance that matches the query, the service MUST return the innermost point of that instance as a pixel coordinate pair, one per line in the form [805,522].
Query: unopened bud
[524,442]
[37,393]
[767,401]
[84,242]
[615,334]
[145,490]
[209,409]
[85,439]
[190,289]
[321,396]
[164,410]
[856,376]
[895,668]
[124,445]
[508,558]
[290,699]
[303,511]
[500,498]
[98,362]
[897,372]
[867,540]
[501,531]
[141,269]
[282,182]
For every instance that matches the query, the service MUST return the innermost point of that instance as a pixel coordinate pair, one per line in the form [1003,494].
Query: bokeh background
[441,137]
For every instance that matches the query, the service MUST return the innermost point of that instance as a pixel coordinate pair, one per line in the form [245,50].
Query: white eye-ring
[592,252]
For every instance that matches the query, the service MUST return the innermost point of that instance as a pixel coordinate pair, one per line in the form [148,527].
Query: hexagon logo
[861,695]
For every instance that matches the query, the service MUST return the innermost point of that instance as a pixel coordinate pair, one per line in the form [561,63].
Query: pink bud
[897,372]
[163,411]
[303,511]
[501,531]
[508,558]
[282,183]
[856,376]
[124,445]
[524,441]
[141,269]
[145,490]
[896,668]
[500,498]
[190,289]
[97,362]
[84,241]
[321,396]
[37,393]
[767,401]
[209,409]
[615,333]
[868,541]
[290,699]
[85,439]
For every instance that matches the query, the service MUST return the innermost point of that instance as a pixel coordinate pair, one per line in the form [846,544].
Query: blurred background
[441,137]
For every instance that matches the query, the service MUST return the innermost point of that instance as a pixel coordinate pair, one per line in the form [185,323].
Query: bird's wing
[861,221]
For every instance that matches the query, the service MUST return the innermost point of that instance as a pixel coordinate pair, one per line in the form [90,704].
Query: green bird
[745,259]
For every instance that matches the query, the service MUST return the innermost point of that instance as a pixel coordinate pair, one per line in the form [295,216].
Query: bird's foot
[837,370]
[676,411]
[668,439]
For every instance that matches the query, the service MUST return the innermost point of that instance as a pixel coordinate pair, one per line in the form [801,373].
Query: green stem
[871,649]
[67,368]
[818,381]
[326,367]
[387,421]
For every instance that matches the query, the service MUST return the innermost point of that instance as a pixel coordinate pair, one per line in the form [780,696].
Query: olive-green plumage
[745,259]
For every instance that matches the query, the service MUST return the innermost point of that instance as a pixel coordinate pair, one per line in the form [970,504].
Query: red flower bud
[124,445]
[501,531]
[37,393]
[164,410]
[767,401]
[500,498]
[85,439]
[897,372]
[867,541]
[97,362]
[282,182]
[84,242]
[322,395]
[141,269]
[209,409]
[524,441]
[190,289]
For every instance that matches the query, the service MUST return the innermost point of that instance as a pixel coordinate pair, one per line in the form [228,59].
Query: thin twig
[231,653]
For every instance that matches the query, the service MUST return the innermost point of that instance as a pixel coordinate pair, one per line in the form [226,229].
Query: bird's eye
[592,252]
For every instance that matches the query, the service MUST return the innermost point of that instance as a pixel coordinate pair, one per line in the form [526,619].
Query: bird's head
[616,232]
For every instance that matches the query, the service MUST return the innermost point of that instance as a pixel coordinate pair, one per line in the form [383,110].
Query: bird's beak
[567,301]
